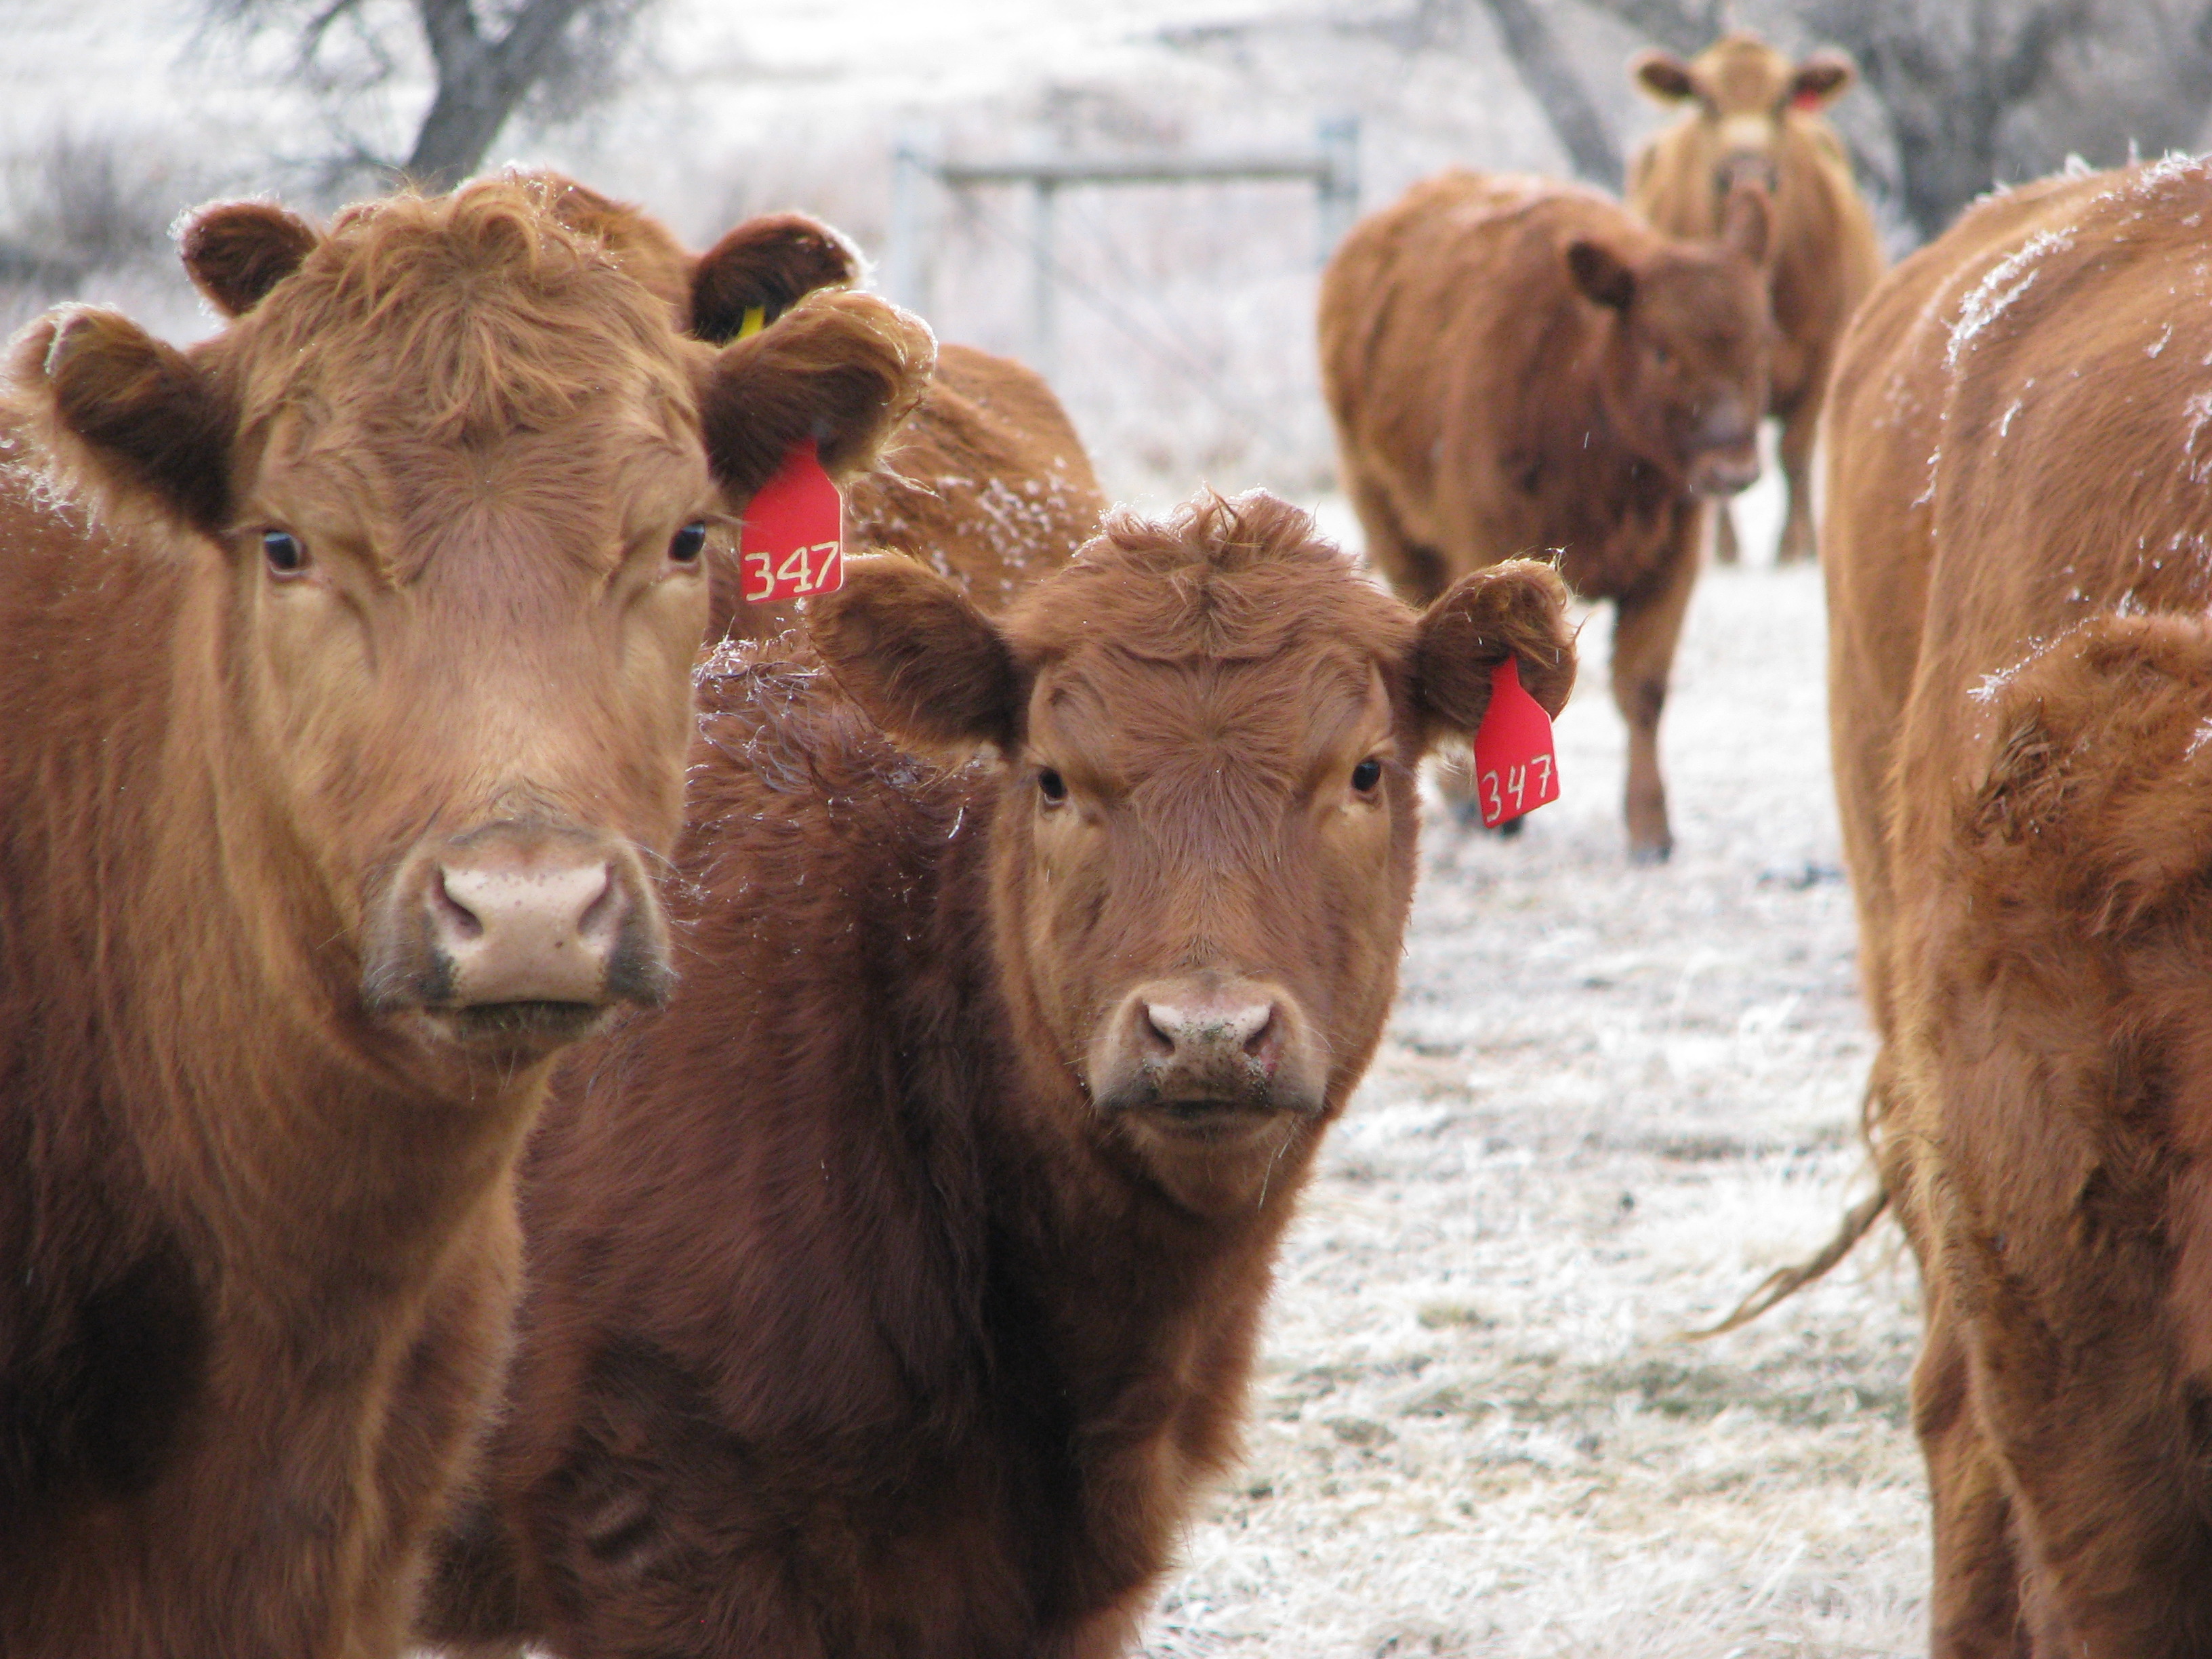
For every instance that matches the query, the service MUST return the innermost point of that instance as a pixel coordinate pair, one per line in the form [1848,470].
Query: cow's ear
[843,370]
[913,651]
[1820,79]
[236,252]
[1517,609]
[1747,220]
[1602,274]
[136,421]
[763,269]
[1663,76]
[2023,788]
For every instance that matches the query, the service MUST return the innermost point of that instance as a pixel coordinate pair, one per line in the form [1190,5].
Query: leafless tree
[489,58]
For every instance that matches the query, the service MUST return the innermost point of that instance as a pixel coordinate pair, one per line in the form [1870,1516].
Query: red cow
[340,745]
[1517,365]
[2019,547]
[894,1292]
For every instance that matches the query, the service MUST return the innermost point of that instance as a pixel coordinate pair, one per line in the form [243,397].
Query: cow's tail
[1785,1282]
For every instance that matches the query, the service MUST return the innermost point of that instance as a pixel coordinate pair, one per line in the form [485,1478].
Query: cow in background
[2018,548]
[893,1294]
[347,714]
[1517,367]
[986,482]
[1755,116]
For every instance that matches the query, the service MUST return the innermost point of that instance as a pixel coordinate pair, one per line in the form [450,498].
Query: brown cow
[894,1295]
[338,747]
[1757,117]
[1515,366]
[2019,545]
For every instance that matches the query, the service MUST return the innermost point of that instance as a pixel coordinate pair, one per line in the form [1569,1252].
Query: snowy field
[1611,1100]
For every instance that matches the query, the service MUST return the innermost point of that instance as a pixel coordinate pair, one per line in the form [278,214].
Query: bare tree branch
[480,82]
[1685,27]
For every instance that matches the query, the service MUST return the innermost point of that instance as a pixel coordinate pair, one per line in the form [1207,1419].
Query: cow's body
[310,862]
[893,1296]
[987,484]
[1757,116]
[2019,543]
[1486,354]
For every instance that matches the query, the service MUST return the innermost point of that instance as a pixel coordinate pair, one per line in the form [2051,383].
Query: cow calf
[894,1291]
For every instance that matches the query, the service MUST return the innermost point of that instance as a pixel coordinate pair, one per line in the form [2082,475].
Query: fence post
[1042,283]
[908,260]
[1336,190]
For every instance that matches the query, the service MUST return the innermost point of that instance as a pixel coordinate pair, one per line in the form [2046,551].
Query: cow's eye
[1367,775]
[1052,787]
[685,546]
[284,551]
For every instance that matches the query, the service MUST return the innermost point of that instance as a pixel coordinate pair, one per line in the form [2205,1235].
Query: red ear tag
[1515,771]
[793,539]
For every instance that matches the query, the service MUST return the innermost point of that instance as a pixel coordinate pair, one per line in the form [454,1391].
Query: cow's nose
[1206,1032]
[517,929]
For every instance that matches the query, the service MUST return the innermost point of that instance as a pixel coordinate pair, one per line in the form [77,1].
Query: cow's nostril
[454,918]
[1161,1027]
[1263,1042]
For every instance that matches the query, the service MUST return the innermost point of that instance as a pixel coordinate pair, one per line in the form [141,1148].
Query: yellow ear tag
[756,320]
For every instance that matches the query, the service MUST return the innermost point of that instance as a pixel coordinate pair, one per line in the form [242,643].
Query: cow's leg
[1973,1610]
[1724,546]
[2103,1434]
[1647,623]
[1799,429]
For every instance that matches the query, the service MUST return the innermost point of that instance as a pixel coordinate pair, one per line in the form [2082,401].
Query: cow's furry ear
[843,370]
[912,650]
[236,252]
[763,269]
[1603,274]
[1517,609]
[1663,76]
[1824,77]
[132,419]
[2024,787]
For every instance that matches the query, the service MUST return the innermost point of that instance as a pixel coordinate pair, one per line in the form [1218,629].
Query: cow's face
[1689,332]
[448,479]
[1202,850]
[1742,94]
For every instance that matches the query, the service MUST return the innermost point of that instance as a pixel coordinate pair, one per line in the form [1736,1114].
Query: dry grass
[1611,1100]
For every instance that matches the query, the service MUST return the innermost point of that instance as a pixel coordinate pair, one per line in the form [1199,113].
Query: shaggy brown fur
[1516,367]
[880,1306]
[1757,116]
[986,483]
[2018,454]
[393,567]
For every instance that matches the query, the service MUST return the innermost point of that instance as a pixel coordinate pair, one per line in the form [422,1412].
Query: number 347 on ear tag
[1515,770]
[793,539]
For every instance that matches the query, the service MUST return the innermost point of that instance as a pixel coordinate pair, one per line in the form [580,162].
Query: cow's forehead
[1744,76]
[466,316]
[1128,720]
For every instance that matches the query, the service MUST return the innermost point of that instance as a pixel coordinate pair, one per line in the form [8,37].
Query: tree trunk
[480,82]
[1551,75]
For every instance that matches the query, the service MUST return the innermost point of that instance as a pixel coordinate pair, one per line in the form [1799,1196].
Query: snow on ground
[1611,1100]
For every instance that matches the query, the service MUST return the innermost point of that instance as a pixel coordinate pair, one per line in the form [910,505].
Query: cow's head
[1205,732]
[443,486]
[1689,328]
[1743,96]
